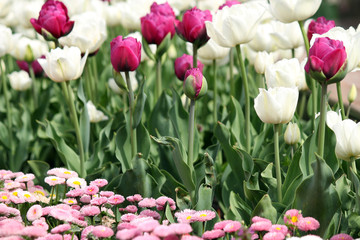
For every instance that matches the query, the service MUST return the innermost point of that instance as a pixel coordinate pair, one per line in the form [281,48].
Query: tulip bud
[352,94]
[327,60]
[125,54]
[94,114]
[184,63]
[292,134]
[320,26]
[262,60]
[195,85]
[20,81]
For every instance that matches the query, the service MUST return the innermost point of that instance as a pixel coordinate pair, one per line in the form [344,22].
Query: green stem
[131,109]
[302,104]
[304,35]
[321,136]
[277,128]
[340,100]
[348,110]
[52,194]
[75,121]
[88,83]
[195,55]
[247,98]
[353,166]
[191,132]
[232,81]
[9,116]
[34,91]
[215,91]
[158,88]
[94,78]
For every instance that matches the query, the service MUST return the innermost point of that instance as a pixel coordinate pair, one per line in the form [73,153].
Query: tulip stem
[321,136]
[75,121]
[195,55]
[348,110]
[247,98]
[158,88]
[131,109]
[94,77]
[277,128]
[191,132]
[215,91]
[32,75]
[306,40]
[232,82]
[340,100]
[9,115]
[353,166]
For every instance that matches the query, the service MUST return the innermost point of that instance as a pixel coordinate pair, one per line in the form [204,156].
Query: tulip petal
[333,62]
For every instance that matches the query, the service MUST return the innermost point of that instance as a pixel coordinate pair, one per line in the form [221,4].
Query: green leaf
[168,214]
[307,157]
[265,209]
[139,105]
[237,121]
[84,120]
[163,47]
[39,168]
[205,198]
[343,188]
[240,208]
[147,49]
[317,197]
[4,135]
[123,148]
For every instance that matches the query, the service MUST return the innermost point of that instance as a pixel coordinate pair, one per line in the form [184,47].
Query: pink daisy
[131,208]
[41,223]
[75,207]
[279,228]
[163,231]
[292,217]
[274,236]
[161,203]
[147,203]
[125,225]
[4,173]
[259,219]
[308,224]
[25,178]
[261,226]
[102,232]
[34,212]
[181,228]
[341,236]
[54,180]
[76,182]
[78,222]
[128,217]
[98,201]
[213,234]
[91,190]
[33,231]
[222,224]
[63,173]
[10,227]
[106,193]
[126,234]
[70,201]
[232,227]
[99,182]
[116,199]
[85,198]
[61,228]
[150,213]
[27,196]
[190,237]
[4,197]
[185,216]
[61,214]
[75,193]
[90,210]
[148,225]
[204,215]
[8,185]
[86,231]
[147,237]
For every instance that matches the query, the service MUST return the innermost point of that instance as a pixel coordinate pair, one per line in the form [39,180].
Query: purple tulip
[229,3]
[155,27]
[125,53]
[163,9]
[320,26]
[23,65]
[195,84]
[184,63]
[327,60]
[53,21]
[192,27]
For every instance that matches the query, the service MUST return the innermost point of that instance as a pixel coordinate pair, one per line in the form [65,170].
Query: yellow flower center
[277,228]
[76,182]
[67,172]
[26,195]
[15,193]
[188,217]
[70,201]
[53,179]
[294,219]
[39,192]
[4,197]
[203,215]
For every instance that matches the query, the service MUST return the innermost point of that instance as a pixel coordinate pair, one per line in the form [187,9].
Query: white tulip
[131,11]
[89,32]
[235,25]
[6,41]
[263,40]
[333,118]
[25,10]
[285,73]
[212,51]
[351,41]
[276,105]
[115,88]
[94,114]
[295,10]
[287,35]
[112,15]
[292,134]
[262,60]
[20,81]
[28,49]
[63,64]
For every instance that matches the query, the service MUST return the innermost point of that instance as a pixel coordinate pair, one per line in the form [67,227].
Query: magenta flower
[128,217]
[61,214]
[34,212]
[163,9]
[116,199]
[126,234]
[229,3]
[23,65]
[308,224]
[53,20]
[61,228]
[260,224]
[213,234]
[292,217]
[184,63]
[274,236]
[125,54]
[192,27]
[327,60]
[102,232]
[320,26]
[85,198]
[341,236]
[147,203]
[155,27]
[195,84]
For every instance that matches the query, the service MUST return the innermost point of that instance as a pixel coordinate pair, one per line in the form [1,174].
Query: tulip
[352,93]
[53,21]
[94,114]
[192,27]
[163,9]
[245,17]
[23,65]
[320,26]
[131,11]
[155,27]
[195,84]
[20,81]
[212,51]
[62,65]
[138,36]
[285,73]
[5,40]
[184,63]
[229,3]
[297,10]
[327,60]
[125,53]
[287,35]
[262,61]
[88,34]
[276,105]
[263,39]
[26,49]
[292,134]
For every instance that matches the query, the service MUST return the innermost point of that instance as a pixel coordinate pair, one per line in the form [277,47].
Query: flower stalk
[277,129]
[340,100]
[191,132]
[32,75]
[247,98]
[321,136]
[131,109]
[215,91]
[158,88]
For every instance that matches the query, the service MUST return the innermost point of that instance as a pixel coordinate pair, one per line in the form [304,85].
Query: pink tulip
[192,27]
[184,63]
[327,60]
[125,53]
[23,65]
[195,85]
[155,27]
[229,3]
[53,21]
[320,26]
[163,9]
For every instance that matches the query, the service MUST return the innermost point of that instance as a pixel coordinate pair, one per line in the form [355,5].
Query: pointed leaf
[139,105]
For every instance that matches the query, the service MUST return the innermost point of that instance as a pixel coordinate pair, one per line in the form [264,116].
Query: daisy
[54,180]
[34,212]
[76,182]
